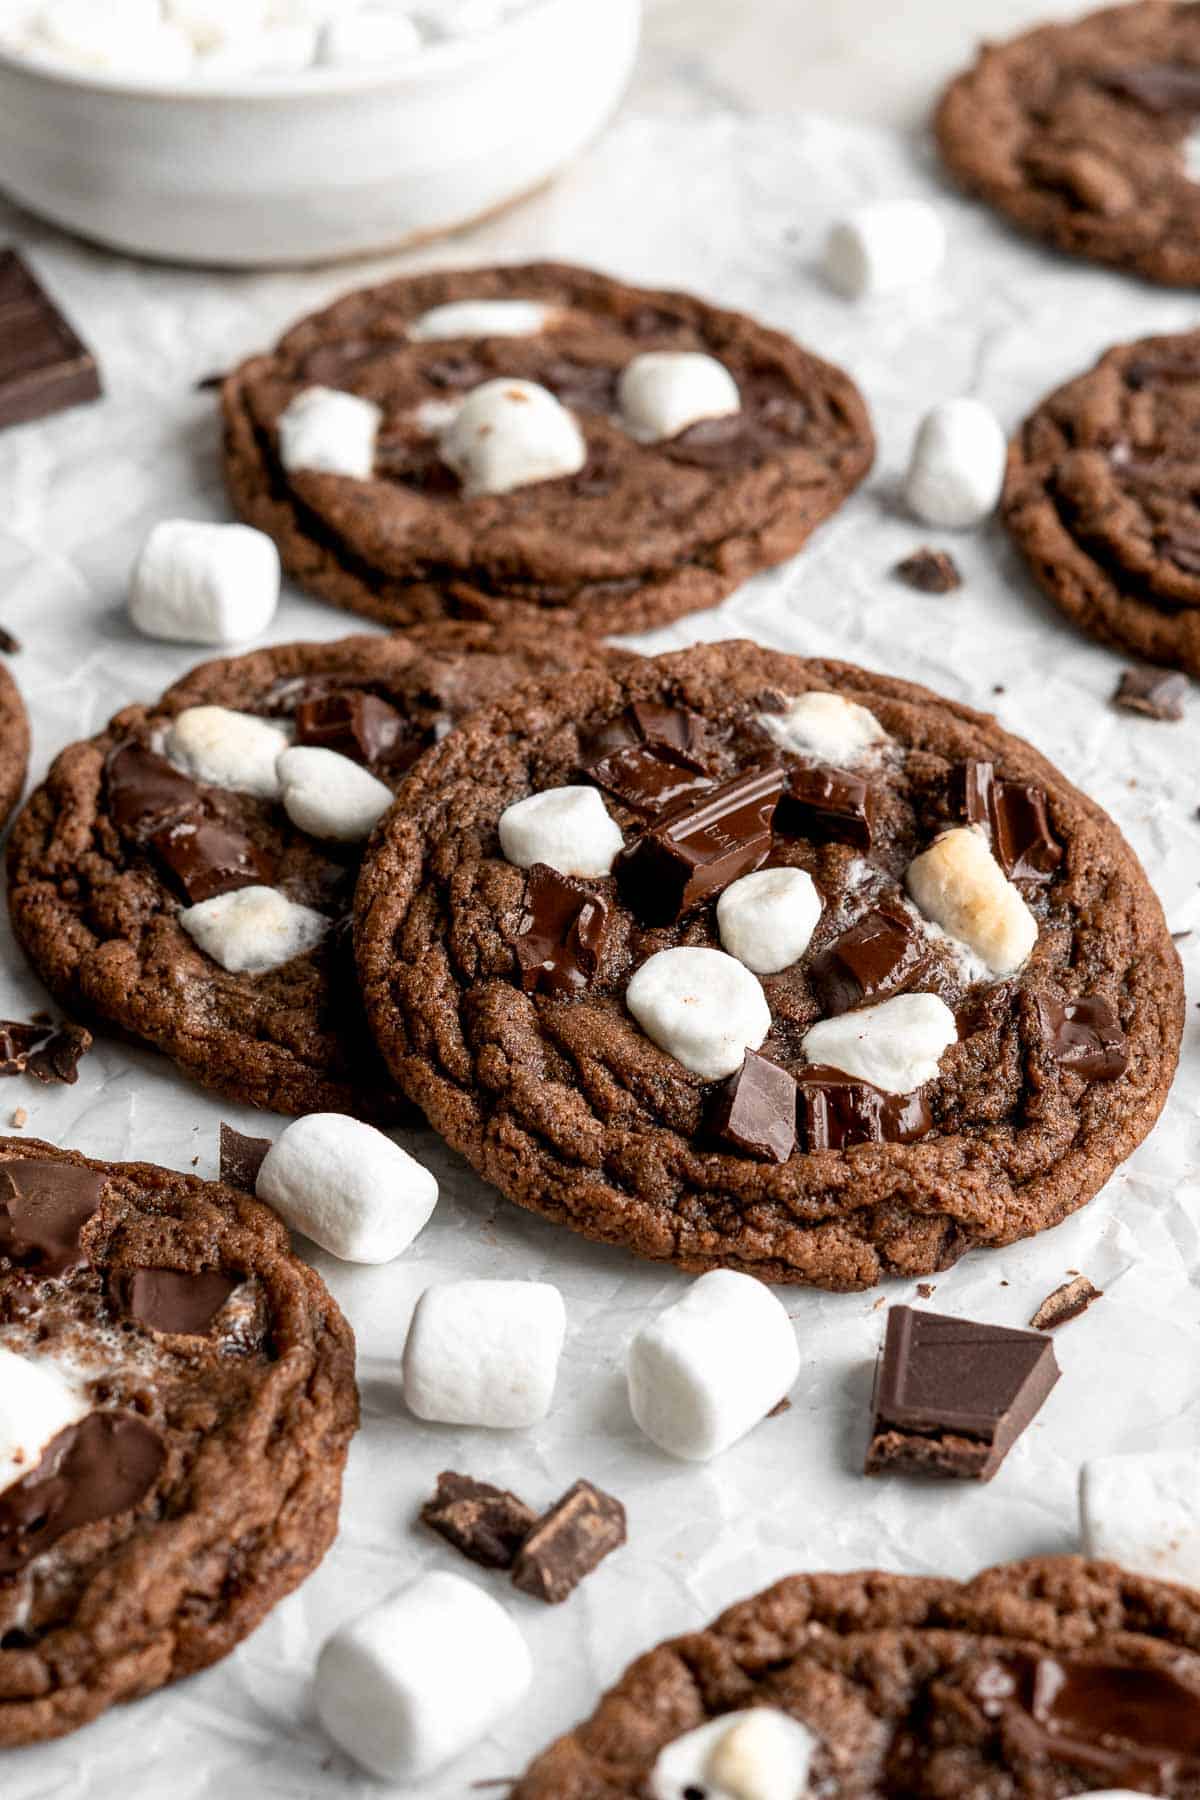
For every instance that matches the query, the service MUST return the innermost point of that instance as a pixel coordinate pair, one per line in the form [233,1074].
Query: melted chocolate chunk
[568,1542]
[1084,1035]
[754,1112]
[650,722]
[1159,88]
[929,571]
[241,1158]
[145,794]
[1014,815]
[487,1524]
[650,778]
[696,851]
[828,803]
[561,934]
[584,387]
[58,1058]
[355,724]
[207,859]
[838,1112]
[172,1300]
[882,955]
[1155,693]
[44,1207]
[1128,1723]
[92,1471]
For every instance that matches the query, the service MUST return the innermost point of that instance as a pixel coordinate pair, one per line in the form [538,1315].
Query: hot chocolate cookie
[14,744]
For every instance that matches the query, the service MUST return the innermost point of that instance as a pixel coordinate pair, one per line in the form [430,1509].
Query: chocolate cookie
[652,520]
[121,848]
[1078,133]
[14,745]
[1039,1679]
[1100,498]
[179,1398]
[944,1007]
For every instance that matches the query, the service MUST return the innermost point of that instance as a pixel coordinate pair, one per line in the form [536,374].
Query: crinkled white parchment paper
[736,209]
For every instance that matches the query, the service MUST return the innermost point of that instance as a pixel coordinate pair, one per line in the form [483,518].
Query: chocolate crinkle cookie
[454,442]
[1039,1680]
[179,1398]
[14,744]
[737,959]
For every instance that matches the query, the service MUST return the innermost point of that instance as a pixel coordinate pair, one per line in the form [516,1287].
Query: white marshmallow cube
[826,727]
[956,471]
[1143,1512]
[253,929]
[38,1399]
[347,1187]
[508,434]
[702,1007]
[209,23]
[567,828]
[227,749]
[329,795]
[896,1045]
[762,1754]
[959,884]
[330,433]
[484,1353]
[125,36]
[706,1370]
[664,391]
[767,919]
[369,38]
[205,584]
[419,1679]
[480,319]
[883,247]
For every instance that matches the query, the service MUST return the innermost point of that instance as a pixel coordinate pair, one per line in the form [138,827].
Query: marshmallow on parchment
[204,584]
[508,434]
[884,246]
[347,1187]
[1143,1512]
[767,919]
[330,433]
[484,1353]
[227,749]
[253,929]
[896,1045]
[959,884]
[329,795]
[480,319]
[762,1754]
[663,392]
[957,466]
[568,828]
[823,725]
[706,1370]
[419,1679]
[38,1399]
[702,1007]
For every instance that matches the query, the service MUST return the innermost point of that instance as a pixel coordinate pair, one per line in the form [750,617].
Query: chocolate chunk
[930,571]
[1157,87]
[8,643]
[43,365]
[58,1059]
[828,803]
[882,955]
[1065,1303]
[93,1470]
[172,1300]
[754,1111]
[1126,1723]
[241,1158]
[649,778]
[17,1040]
[697,850]
[1085,1036]
[487,1524]
[568,1542]
[952,1396]
[145,794]
[1015,816]
[561,934]
[354,724]
[648,722]
[1157,693]
[44,1207]
[207,859]
[838,1112]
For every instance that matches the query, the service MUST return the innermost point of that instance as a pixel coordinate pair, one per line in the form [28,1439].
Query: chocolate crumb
[926,1290]
[780,1406]
[58,1059]
[241,1158]
[1155,693]
[568,1542]
[1065,1303]
[929,571]
[207,384]
[487,1524]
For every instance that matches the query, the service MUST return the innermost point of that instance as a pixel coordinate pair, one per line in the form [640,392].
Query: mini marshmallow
[421,1678]
[227,749]
[706,1370]
[209,23]
[330,433]
[37,1401]
[827,727]
[767,919]
[285,49]
[1143,1511]
[762,1754]
[480,319]
[959,884]
[663,392]
[253,929]
[896,1045]
[508,434]
[885,246]
[205,584]
[329,795]
[702,1007]
[368,38]
[957,466]
[125,35]
[567,828]
[347,1187]
[484,1353]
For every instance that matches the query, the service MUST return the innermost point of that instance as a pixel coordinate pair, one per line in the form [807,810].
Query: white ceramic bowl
[320,165]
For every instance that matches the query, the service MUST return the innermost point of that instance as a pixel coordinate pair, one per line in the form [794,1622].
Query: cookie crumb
[930,571]
[1065,1303]
[1155,693]
[20,1118]
[926,1290]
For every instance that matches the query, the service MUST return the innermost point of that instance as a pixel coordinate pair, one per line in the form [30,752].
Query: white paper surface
[736,209]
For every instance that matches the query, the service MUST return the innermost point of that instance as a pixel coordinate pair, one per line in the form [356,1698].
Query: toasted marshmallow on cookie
[38,1399]
[827,727]
[253,929]
[896,1045]
[509,434]
[959,884]
[762,1754]
[227,749]
[663,392]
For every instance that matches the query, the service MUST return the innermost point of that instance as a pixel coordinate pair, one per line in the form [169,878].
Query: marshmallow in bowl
[209,23]
[896,1045]
[329,795]
[825,726]
[253,929]
[368,38]
[348,1187]
[196,583]
[761,1754]
[38,1399]
[701,1006]
[663,392]
[329,432]
[884,246]
[767,919]
[509,434]
[480,319]
[113,36]
[227,749]
[484,1353]
[959,884]
[568,828]
[956,471]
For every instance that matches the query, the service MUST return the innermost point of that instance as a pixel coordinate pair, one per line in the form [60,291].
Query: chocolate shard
[91,1471]
[1159,88]
[561,935]
[355,724]
[207,859]
[1135,1725]
[1156,693]
[44,367]
[17,1040]
[58,1058]
[487,1524]
[173,1300]
[836,1112]
[1014,814]
[828,803]
[754,1111]
[568,1542]
[929,571]
[241,1158]
[953,1396]
[44,1207]
[884,954]
[1085,1036]
[1066,1303]
[649,778]
[648,722]
[700,847]
[146,794]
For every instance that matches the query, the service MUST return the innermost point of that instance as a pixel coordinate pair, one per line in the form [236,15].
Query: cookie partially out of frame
[14,745]
[1036,1681]
[212,1378]
[642,533]
[520,1046]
